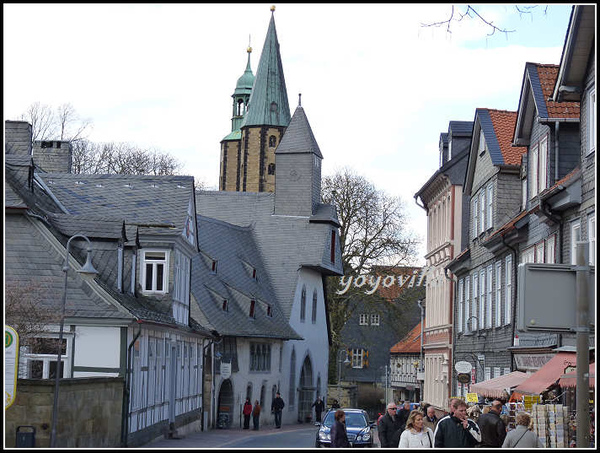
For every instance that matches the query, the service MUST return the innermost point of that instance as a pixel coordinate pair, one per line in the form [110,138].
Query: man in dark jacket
[319,406]
[276,407]
[493,429]
[456,430]
[403,414]
[390,428]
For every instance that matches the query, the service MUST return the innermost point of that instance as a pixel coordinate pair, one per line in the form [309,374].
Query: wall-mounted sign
[464,378]
[463,367]
[225,370]
[11,365]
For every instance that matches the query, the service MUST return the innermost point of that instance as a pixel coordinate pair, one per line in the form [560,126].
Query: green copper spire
[241,96]
[268,102]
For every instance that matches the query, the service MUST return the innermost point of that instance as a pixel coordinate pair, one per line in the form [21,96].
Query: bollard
[25,439]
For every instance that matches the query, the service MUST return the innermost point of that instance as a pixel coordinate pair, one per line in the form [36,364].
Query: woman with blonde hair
[522,436]
[416,434]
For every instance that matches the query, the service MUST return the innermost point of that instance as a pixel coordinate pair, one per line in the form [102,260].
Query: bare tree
[42,120]
[63,124]
[72,127]
[373,232]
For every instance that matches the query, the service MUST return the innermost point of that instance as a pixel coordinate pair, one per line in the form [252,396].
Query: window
[461,304]
[498,301]
[508,290]
[314,307]
[292,388]
[181,288]
[543,164]
[303,304]
[359,358]
[591,121]
[225,305]
[467,300]
[475,212]
[271,169]
[489,300]
[490,207]
[332,249]
[254,277]
[213,267]
[269,311]
[481,145]
[592,239]
[533,176]
[155,271]
[375,320]
[575,237]
[482,211]
[475,293]
[252,312]
[363,319]
[272,141]
[260,357]
[528,255]
[482,301]
[551,249]
[40,358]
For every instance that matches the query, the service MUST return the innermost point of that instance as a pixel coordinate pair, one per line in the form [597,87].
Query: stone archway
[225,405]
[307,391]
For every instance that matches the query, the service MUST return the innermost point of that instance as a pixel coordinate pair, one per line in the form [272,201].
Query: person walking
[247,411]
[389,428]
[430,419]
[416,434]
[493,429]
[456,430]
[256,415]
[276,408]
[403,414]
[522,436]
[339,437]
[319,406]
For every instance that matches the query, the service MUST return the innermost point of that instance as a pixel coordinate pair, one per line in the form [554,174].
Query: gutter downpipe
[556,147]
[127,390]
[514,295]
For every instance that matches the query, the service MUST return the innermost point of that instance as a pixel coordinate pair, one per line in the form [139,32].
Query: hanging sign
[225,370]
[11,365]
[463,367]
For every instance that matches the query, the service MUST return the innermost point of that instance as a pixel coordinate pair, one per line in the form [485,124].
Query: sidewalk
[220,438]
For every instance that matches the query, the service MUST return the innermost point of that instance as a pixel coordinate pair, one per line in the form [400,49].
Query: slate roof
[299,137]
[498,127]
[236,254]
[461,128]
[410,344]
[305,242]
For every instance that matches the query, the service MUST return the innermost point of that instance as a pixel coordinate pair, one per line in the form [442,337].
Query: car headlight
[324,436]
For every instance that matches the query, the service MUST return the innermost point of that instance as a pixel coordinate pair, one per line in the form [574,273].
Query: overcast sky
[377,87]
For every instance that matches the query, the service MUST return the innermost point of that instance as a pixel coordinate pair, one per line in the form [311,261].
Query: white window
[181,288]
[523,193]
[155,271]
[528,255]
[467,301]
[497,372]
[482,211]
[475,294]
[508,290]
[506,370]
[461,304]
[363,319]
[481,145]
[540,252]
[489,300]
[551,249]
[490,207]
[375,320]
[358,356]
[488,373]
[498,301]
[592,239]
[543,164]
[475,212]
[592,121]
[40,358]
[482,300]
[533,168]
[575,237]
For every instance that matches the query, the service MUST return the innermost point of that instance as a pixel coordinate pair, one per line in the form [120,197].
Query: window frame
[592,239]
[592,127]
[155,263]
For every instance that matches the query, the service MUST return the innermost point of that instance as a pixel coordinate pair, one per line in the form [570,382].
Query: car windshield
[353,420]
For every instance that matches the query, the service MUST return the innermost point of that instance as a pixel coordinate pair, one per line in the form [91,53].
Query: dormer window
[252,312]
[253,274]
[225,305]
[155,271]
[269,311]
[481,146]
[214,266]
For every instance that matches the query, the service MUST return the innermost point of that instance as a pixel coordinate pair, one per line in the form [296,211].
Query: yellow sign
[11,365]
[472,398]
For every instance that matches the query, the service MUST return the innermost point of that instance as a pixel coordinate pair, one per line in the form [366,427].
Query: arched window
[271,169]
[249,391]
[314,307]
[272,141]
[303,304]
[292,392]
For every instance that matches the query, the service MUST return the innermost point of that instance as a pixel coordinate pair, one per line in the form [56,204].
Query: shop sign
[11,364]
[463,378]
[225,370]
[463,367]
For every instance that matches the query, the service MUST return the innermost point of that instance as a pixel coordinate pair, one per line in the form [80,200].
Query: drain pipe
[514,295]
[127,390]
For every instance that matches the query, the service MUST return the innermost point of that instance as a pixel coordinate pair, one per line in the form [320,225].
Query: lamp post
[339,363]
[88,271]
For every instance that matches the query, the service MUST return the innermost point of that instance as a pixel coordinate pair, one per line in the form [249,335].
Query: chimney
[53,156]
[17,137]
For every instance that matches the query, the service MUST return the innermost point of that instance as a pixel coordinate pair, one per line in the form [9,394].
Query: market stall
[495,388]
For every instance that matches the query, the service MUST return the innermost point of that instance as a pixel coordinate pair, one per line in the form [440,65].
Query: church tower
[248,154]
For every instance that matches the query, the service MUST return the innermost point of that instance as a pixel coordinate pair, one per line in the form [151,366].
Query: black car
[358,428]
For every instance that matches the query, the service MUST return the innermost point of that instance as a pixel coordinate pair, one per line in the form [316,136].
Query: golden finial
[249,46]
[272,8]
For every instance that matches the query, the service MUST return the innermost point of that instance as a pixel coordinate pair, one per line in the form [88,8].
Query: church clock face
[294,175]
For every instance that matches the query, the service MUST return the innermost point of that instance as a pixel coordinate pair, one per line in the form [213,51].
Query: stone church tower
[261,114]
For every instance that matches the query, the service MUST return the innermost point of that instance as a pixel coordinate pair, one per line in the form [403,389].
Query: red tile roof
[547,73]
[504,127]
[411,343]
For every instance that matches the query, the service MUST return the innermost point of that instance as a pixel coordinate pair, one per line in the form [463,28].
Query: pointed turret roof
[245,82]
[268,103]
[299,137]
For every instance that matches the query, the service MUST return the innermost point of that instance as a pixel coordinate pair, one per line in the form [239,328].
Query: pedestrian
[416,434]
[338,435]
[456,430]
[474,412]
[493,429]
[430,420]
[335,404]
[390,428]
[522,436]
[319,406]
[276,407]
[247,411]
[256,415]
[403,413]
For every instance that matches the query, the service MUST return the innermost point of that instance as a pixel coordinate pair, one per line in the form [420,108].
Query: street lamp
[87,271]
[339,363]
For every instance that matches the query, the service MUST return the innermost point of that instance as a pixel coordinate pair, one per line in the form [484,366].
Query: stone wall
[89,412]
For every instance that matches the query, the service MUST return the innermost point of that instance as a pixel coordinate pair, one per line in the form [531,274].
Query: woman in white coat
[416,434]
